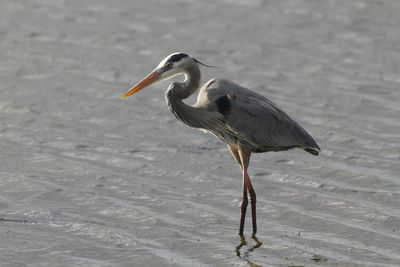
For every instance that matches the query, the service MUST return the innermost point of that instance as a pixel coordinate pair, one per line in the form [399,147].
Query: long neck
[191,83]
[176,92]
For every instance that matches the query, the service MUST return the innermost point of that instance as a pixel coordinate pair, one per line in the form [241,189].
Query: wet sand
[88,179]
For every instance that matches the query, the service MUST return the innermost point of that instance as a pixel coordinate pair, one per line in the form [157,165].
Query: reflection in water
[245,254]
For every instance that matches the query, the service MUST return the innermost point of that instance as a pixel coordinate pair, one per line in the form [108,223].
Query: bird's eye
[169,65]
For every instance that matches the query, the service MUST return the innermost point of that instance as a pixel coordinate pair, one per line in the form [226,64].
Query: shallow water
[88,179]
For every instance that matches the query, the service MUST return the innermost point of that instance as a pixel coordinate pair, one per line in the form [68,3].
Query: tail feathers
[313,150]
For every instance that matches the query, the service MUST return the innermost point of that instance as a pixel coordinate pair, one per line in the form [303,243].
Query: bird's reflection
[245,254]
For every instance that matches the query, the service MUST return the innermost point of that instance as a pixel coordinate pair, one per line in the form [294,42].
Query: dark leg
[249,187]
[245,201]
[253,201]
[243,208]
[242,156]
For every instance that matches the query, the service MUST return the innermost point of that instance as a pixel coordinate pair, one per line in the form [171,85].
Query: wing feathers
[257,121]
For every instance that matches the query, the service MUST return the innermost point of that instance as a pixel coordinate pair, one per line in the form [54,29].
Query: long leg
[244,202]
[243,208]
[253,201]
[244,154]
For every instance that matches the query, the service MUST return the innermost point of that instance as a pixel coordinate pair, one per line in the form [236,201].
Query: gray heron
[246,121]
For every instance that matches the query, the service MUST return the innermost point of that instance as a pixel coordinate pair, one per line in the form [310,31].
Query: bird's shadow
[245,253]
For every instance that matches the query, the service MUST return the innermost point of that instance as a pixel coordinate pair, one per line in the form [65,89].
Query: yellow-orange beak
[151,78]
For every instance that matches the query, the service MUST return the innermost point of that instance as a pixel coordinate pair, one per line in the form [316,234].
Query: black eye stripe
[176,57]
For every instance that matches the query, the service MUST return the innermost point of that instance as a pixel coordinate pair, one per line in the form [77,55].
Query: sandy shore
[88,179]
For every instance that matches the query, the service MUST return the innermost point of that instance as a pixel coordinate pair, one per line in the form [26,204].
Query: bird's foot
[243,242]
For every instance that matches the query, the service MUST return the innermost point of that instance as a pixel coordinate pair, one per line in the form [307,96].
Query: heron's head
[170,66]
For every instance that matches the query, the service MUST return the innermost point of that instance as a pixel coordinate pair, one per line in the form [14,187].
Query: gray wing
[253,119]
